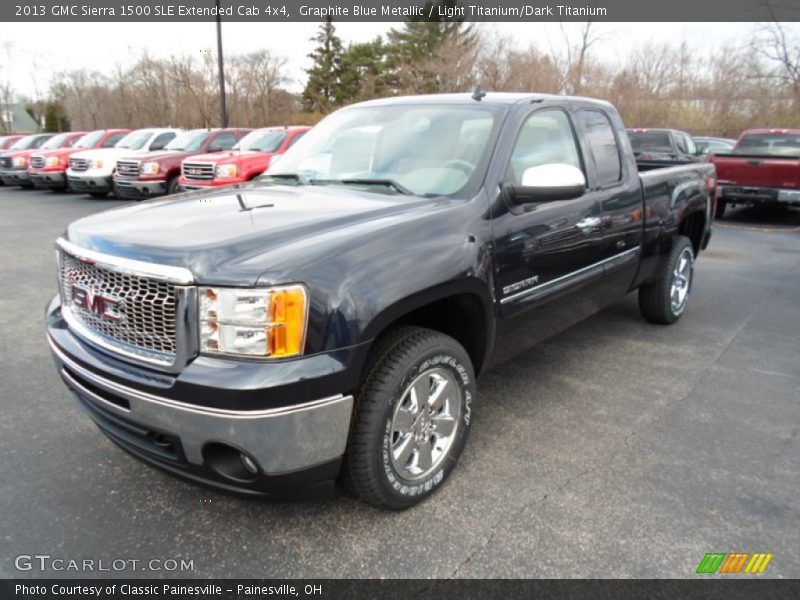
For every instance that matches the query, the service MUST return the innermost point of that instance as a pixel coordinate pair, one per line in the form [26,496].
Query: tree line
[734,87]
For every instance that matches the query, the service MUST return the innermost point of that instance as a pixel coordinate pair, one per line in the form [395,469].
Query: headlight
[265,322]
[225,171]
[19,161]
[52,161]
[149,168]
[97,163]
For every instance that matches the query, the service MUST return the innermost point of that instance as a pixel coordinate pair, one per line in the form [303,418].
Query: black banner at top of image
[401,10]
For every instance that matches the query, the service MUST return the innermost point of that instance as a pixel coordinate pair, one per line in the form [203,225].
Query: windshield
[25,143]
[428,150]
[55,142]
[89,140]
[264,140]
[135,140]
[712,145]
[190,141]
[770,144]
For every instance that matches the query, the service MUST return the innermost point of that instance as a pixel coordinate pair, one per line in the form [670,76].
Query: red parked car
[157,173]
[14,162]
[248,159]
[48,169]
[763,168]
[6,141]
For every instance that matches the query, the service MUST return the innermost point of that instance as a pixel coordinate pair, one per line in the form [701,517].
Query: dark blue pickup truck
[329,320]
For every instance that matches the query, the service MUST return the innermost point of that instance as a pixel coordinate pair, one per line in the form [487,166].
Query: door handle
[589,224]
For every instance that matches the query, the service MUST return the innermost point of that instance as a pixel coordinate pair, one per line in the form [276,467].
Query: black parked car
[655,148]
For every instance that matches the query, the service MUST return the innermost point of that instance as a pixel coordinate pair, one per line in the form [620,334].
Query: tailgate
[758,171]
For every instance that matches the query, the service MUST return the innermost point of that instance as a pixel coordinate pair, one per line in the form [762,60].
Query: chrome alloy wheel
[681,281]
[425,424]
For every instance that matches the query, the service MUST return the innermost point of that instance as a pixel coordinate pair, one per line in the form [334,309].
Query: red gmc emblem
[102,306]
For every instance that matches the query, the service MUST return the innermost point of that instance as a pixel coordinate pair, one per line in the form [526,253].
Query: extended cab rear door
[613,182]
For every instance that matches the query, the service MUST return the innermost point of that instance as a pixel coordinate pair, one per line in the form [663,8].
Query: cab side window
[545,138]
[603,148]
[681,143]
[162,140]
[224,141]
[690,146]
[112,140]
[295,139]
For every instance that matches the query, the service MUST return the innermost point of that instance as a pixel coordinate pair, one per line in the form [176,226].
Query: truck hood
[226,156]
[16,153]
[159,155]
[55,152]
[109,153]
[234,235]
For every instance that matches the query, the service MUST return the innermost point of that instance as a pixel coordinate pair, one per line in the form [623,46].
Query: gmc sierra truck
[330,319]
[157,173]
[14,162]
[48,170]
[92,171]
[248,159]
[763,168]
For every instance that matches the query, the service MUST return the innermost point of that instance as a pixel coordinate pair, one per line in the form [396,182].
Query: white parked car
[92,171]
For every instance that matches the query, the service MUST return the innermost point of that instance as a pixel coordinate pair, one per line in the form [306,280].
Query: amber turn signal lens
[287,318]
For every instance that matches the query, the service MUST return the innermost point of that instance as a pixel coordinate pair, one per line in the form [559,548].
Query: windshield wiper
[391,183]
[298,179]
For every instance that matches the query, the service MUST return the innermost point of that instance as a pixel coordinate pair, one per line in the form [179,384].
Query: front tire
[98,194]
[664,300]
[719,210]
[411,419]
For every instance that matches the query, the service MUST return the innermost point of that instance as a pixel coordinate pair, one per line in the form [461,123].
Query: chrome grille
[198,171]
[6,162]
[145,309]
[37,161]
[128,168]
[78,164]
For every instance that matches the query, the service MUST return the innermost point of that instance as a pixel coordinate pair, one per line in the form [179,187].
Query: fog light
[248,463]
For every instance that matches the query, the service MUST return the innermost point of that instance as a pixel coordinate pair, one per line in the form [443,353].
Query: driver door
[546,254]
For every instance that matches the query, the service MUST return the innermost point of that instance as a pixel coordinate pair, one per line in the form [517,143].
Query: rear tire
[98,194]
[411,418]
[664,300]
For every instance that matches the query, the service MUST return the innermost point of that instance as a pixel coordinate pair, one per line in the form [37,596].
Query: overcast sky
[46,48]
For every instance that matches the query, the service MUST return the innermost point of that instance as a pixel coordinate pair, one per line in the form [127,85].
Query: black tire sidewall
[172,185]
[442,355]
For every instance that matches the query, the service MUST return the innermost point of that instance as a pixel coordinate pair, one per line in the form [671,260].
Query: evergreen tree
[413,51]
[55,117]
[323,76]
[362,75]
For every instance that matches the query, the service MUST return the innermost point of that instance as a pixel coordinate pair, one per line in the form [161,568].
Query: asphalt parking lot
[616,449]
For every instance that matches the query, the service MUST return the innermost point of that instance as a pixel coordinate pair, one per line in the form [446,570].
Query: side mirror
[157,146]
[215,148]
[547,183]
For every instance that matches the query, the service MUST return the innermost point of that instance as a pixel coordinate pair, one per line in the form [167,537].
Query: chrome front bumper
[281,440]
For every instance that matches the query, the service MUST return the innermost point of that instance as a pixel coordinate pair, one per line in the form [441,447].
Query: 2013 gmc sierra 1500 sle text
[329,320]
